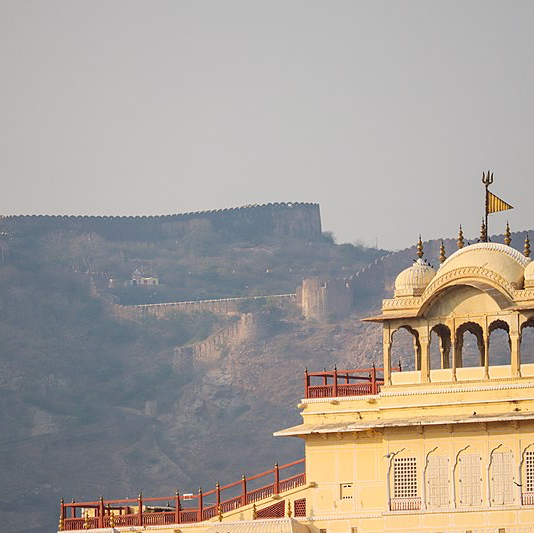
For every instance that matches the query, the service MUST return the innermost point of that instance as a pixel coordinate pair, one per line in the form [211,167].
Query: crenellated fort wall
[222,306]
[248,327]
[293,219]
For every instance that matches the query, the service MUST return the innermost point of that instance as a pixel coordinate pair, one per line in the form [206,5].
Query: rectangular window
[470,479]
[346,491]
[437,479]
[529,464]
[404,477]
[502,478]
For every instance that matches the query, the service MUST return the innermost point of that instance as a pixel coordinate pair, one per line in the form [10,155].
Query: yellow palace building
[445,449]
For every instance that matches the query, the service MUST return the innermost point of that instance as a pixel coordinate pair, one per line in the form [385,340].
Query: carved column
[417,352]
[515,352]
[386,339]
[425,359]
[485,355]
[445,349]
[456,349]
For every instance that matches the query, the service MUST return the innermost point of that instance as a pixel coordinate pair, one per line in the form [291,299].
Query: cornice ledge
[456,389]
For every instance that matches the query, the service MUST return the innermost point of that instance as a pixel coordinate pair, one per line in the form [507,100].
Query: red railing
[358,382]
[405,504]
[138,512]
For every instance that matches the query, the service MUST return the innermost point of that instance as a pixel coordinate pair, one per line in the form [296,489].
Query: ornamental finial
[220,513]
[507,235]
[420,252]
[61,526]
[483,232]
[254,512]
[526,252]
[442,256]
[86,523]
[460,238]
[289,512]
[111,519]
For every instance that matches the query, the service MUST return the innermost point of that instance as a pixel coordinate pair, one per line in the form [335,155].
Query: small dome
[529,276]
[498,258]
[414,280]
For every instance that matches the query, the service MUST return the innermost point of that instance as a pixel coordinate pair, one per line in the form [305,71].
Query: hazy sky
[386,113]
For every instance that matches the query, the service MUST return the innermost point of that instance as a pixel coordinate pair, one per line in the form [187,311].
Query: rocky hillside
[92,404]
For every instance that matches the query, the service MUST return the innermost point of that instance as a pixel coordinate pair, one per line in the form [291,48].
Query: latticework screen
[300,507]
[405,477]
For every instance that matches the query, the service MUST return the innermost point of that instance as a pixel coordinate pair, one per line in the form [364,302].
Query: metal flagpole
[487,180]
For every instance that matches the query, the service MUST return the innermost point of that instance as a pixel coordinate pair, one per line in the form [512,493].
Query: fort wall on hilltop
[248,327]
[291,219]
[222,306]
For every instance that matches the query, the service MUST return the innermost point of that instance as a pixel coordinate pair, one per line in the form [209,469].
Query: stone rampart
[292,219]
[224,306]
[247,327]
[324,299]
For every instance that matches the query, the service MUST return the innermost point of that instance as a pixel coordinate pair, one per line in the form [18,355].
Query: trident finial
[487,179]
[526,252]
[460,238]
[483,232]
[507,235]
[442,252]
[420,252]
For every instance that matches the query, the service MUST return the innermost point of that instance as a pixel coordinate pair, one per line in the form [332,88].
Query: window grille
[273,511]
[404,477]
[346,491]
[437,479]
[470,479]
[502,478]
[529,463]
[300,507]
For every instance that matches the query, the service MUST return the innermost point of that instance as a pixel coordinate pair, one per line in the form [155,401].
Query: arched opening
[440,347]
[436,481]
[406,349]
[470,345]
[527,342]
[468,482]
[501,476]
[499,343]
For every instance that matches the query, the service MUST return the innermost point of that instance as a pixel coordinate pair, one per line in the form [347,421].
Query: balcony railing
[360,382]
[527,498]
[405,504]
[189,508]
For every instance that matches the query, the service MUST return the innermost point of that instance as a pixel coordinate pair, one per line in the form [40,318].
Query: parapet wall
[248,327]
[293,219]
[224,306]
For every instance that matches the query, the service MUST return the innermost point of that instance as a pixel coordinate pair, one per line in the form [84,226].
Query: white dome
[529,276]
[414,280]
[491,256]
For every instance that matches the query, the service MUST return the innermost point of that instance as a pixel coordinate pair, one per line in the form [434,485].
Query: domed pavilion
[480,288]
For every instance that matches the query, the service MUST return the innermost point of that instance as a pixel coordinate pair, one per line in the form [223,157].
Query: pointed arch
[527,341]
[500,340]
[442,333]
[500,476]
[404,362]
[467,477]
[436,482]
[475,329]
